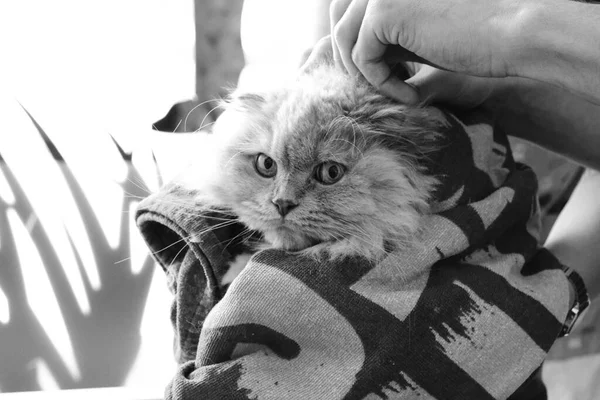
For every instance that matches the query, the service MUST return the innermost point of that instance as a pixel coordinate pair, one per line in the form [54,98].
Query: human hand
[450,88]
[466,36]
[430,84]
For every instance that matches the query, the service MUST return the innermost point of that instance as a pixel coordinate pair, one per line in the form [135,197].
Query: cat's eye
[265,166]
[329,172]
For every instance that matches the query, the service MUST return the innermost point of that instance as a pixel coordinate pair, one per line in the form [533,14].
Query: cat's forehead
[308,120]
[309,127]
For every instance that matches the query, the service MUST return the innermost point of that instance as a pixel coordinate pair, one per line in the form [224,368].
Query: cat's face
[324,160]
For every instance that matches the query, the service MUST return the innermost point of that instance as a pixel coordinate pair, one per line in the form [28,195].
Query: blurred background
[98,104]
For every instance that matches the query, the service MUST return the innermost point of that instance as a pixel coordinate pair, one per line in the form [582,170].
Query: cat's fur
[324,115]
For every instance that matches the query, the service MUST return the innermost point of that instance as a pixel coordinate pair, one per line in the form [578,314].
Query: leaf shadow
[105,342]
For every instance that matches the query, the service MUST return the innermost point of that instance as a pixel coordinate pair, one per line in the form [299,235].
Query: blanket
[469,315]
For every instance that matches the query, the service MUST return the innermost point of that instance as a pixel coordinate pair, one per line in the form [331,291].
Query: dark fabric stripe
[457,156]
[508,232]
[391,346]
[214,382]
[470,223]
[223,340]
[502,139]
[532,389]
[517,240]
[542,261]
[532,316]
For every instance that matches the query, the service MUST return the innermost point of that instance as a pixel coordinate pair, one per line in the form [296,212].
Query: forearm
[575,236]
[548,116]
[558,42]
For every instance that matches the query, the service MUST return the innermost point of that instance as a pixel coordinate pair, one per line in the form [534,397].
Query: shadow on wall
[47,339]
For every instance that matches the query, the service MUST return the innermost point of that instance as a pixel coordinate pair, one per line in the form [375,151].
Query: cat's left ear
[321,54]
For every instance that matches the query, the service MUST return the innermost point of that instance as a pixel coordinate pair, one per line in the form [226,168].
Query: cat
[323,165]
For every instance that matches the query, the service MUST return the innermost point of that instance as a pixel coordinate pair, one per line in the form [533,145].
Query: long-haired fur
[324,115]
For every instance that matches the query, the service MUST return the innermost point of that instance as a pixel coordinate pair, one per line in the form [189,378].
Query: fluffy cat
[324,165]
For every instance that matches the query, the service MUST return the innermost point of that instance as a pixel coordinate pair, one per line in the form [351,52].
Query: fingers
[400,54]
[395,87]
[347,31]
[359,50]
[368,56]
[337,10]
[430,85]
[465,91]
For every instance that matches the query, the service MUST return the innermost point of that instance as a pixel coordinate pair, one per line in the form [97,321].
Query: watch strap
[582,300]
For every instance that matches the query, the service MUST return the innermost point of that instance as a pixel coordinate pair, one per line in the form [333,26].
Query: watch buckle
[570,321]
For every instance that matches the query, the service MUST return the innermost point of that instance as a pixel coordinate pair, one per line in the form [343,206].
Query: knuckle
[357,57]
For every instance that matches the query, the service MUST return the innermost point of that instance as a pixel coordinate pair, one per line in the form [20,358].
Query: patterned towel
[470,315]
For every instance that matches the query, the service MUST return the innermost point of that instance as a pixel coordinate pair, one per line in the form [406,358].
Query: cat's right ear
[321,54]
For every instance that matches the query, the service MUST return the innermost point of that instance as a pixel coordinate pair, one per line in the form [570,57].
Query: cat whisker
[175,257]
[208,113]
[200,207]
[212,227]
[342,228]
[231,158]
[192,110]
[140,181]
[230,241]
[139,186]
[132,196]
[204,216]
[213,217]
[204,126]
[177,126]
[155,253]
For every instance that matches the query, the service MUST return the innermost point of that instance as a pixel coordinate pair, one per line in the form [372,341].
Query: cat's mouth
[290,238]
[284,234]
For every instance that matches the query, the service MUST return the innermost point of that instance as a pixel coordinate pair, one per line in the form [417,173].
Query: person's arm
[575,236]
[549,116]
[554,41]
[559,43]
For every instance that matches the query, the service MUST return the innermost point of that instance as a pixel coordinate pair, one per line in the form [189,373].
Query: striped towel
[471,315]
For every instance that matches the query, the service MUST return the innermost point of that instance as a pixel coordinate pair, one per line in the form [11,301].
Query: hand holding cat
[443,34]
[486,38]
[433,84]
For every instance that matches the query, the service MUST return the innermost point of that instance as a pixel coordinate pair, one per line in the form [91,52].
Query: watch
[582,300]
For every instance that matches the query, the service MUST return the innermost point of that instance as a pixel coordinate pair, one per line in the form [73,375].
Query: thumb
[435,85]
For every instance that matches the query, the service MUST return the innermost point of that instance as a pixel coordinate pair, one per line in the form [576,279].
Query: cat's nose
[284,206]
